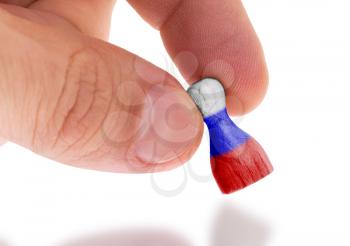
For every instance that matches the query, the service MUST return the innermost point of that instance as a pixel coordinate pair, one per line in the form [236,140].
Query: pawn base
[240,167]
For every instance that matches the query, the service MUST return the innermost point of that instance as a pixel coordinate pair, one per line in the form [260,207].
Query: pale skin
[69,95]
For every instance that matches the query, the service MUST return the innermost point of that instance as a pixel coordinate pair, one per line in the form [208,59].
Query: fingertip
[175,128]
[169,126]
[248,91]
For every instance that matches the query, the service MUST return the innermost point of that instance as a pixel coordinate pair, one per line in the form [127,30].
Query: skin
[68,94]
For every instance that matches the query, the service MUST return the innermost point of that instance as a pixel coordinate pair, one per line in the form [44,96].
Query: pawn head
[209,96]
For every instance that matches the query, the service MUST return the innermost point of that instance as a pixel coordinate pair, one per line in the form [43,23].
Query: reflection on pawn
[237,159]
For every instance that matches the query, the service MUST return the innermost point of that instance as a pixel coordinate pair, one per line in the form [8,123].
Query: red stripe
[241,167]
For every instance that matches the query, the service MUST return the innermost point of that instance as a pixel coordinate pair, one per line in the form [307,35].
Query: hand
[67,94]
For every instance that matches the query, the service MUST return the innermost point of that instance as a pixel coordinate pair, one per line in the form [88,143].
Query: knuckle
[83,103]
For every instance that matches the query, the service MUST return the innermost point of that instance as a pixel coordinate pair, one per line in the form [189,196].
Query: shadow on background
[235,227]
[232,226]
[133,237]
[3,243]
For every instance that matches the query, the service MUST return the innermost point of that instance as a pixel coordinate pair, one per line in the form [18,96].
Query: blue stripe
[225,136]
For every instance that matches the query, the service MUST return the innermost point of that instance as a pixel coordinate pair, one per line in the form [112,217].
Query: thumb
[84,102]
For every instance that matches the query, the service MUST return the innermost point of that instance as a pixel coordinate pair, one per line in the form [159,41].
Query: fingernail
[174,126]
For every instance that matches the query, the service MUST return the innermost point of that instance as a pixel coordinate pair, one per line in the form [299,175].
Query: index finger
[212,39]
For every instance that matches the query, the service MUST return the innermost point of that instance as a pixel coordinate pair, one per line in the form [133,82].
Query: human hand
[67,94]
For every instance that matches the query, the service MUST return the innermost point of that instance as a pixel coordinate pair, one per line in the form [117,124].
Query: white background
[303,124]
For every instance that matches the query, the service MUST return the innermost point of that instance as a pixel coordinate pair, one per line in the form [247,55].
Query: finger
[92,17]
[87,103]
[212,39]
[23,3]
